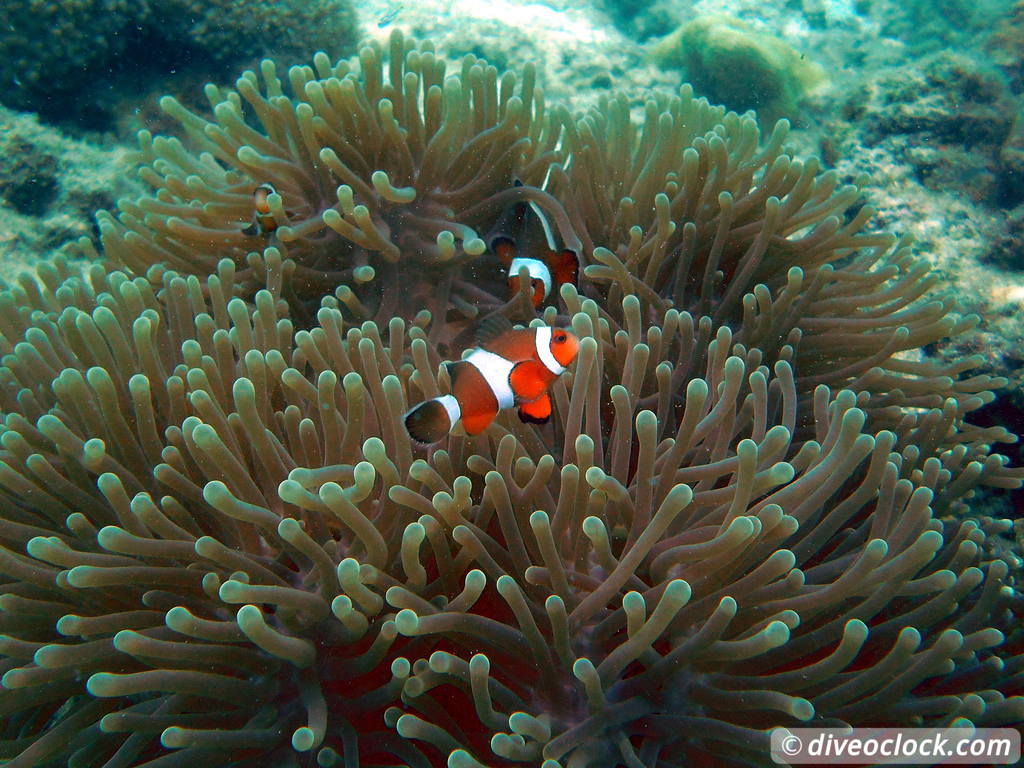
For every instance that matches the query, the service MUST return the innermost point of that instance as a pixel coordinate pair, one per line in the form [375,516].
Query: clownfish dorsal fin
[491,327]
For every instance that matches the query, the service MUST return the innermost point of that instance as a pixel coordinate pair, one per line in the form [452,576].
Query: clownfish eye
[560,337]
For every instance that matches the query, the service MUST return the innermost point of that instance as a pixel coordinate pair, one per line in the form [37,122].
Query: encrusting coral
[219,544]
[731,62]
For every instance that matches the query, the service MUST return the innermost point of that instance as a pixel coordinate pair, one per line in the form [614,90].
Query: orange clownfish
[263,222]
[546,274]
[514,370]
[523,238]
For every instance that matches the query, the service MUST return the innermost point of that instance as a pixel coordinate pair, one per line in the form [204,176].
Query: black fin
[528,419]
[252,229]
[428,422]
[510,223]
[496,244]
[491,327]
[452,368]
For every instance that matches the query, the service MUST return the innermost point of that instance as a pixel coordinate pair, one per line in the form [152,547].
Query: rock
[1007,250]
[1006,46]
[1011,164]
[51,186]
[947,116]
[28,176]
[70,61]
[732,64]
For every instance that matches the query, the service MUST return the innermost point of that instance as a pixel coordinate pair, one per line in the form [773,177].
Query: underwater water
[576,384]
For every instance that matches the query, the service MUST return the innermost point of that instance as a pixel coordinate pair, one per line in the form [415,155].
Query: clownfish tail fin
[431,420]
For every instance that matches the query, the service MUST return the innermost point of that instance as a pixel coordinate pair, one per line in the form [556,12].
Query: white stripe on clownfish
[545,223]
[451,406]
[549,234]
[535,268]
[543,344]
[495,369]
[263,221]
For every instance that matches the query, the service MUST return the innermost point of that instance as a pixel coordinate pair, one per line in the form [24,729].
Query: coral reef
[51,50]
[50,188]
[1008,250]
[931,25]
[1011,163]
[1005,45]
[28,177]
[219,545]
[640,20]
[946,116]
[731,63]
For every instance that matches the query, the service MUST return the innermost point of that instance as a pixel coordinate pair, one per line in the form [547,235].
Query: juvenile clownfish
[514,370]
[263,222]
[523,238]
[547,274]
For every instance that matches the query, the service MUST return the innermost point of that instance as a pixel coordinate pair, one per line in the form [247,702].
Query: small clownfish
[513,370]
[523,238]
[546,274]
[263,222]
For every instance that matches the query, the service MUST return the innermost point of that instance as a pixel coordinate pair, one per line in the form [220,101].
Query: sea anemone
[220,544]
[380,177]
